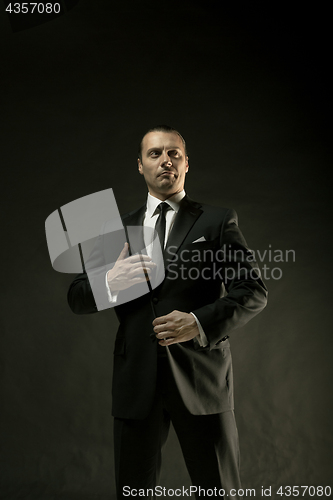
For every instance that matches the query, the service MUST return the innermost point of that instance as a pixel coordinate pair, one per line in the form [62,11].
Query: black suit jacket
[195,274]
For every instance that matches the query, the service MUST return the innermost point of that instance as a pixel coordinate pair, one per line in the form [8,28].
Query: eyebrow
[172,148]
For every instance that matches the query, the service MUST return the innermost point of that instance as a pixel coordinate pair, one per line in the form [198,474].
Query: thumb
[123,253]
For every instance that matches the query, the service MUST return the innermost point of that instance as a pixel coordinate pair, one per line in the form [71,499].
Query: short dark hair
[161,128]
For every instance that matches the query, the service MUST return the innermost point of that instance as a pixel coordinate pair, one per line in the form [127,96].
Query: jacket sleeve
[88,293]
[246,292]
[80,296]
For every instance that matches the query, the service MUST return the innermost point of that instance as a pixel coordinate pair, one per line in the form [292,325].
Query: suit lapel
[188,213]
[135,238]
[135,218]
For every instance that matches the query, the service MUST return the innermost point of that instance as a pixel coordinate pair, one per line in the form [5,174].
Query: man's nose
[166,160]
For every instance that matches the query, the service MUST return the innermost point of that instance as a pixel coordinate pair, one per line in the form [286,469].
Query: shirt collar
[173,201]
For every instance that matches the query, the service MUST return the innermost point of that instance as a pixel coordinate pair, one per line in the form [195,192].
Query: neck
[164,196]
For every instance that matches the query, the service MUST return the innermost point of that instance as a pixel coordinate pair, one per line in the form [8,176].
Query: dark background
[247,86]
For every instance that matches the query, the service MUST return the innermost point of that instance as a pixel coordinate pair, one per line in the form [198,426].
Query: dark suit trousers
[209,442]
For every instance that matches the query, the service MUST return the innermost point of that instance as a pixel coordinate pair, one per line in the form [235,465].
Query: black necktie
[161,222]
[160,226]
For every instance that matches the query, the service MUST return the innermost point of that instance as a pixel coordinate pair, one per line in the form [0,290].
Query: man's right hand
[129,271]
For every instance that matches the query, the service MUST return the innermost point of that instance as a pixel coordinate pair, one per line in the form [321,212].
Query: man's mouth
[166,172]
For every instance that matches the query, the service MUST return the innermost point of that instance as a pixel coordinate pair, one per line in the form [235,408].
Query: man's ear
[187,164]
[140,166]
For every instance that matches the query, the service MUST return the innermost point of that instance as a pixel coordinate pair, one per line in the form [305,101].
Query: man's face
[164,163]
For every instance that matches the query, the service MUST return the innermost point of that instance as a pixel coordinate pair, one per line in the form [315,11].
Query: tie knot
[163,207]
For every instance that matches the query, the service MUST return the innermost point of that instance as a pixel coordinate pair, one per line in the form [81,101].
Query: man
[211,287]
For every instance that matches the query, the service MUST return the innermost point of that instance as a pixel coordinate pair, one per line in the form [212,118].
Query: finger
[172,317]
[145,265]
[138,279]
[142,277]
[165,327]
[171,338]
[137,271]
[135,280]
[160,320]
[166,334]
[169,341]
[123,253]
[139,258]
[125,268]
[132,258]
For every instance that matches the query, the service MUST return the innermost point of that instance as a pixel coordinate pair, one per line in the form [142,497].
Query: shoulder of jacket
[133,212]
[221,211]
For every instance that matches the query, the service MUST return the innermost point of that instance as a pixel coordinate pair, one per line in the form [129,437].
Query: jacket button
[155,300]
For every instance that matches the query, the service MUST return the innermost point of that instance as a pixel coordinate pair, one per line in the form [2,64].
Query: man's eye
[174,153]
[154,153]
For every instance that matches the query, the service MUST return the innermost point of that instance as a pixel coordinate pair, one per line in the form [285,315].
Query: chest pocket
[198,256]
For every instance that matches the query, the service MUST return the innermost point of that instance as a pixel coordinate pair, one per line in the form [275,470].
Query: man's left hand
[175,327]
